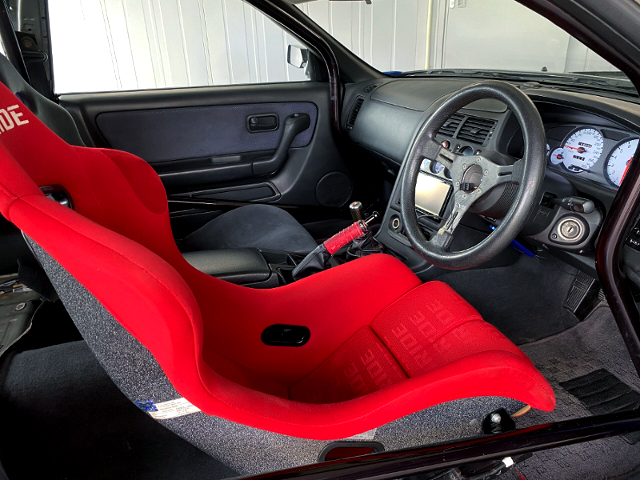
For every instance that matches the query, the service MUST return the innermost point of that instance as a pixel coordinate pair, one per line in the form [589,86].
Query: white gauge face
[436,167]
[557,156]
[583,149]
[619,161]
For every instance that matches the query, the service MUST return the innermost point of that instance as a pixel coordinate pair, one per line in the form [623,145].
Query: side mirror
[297,56]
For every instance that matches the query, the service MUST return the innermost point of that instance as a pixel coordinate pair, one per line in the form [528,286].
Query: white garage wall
[103,45]
[488,34]
[388,34]
[505,35]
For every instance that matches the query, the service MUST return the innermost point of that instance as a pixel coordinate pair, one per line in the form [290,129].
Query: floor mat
[63,418]
[524,300]
[592,345]
[602,392]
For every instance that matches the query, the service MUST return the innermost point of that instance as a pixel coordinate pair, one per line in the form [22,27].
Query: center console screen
[432,194]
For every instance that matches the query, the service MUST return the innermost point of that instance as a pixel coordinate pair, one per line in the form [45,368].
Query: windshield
[397,36]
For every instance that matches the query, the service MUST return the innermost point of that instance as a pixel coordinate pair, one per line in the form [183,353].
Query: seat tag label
[368,435]
[166,410]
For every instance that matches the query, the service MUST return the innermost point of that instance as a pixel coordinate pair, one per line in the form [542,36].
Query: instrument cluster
[601,155]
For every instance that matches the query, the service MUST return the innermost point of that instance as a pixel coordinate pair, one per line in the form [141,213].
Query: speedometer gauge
[619,161]
[583,149]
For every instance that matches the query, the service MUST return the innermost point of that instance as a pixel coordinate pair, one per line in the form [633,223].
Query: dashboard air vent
[354,112]
[451,125]
[476,129]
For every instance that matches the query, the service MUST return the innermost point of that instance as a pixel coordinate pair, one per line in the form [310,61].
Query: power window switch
[633,243]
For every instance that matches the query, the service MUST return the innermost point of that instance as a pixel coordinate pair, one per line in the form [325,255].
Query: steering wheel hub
[471,178]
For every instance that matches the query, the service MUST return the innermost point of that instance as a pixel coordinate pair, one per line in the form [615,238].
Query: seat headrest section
[52,115]
[115,189]
[117,242]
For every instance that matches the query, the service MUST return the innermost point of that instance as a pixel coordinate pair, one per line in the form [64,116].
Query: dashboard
[591,140]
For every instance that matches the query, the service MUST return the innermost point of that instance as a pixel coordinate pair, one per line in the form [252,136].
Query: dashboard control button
[633,243]
[466,151]
[446,143]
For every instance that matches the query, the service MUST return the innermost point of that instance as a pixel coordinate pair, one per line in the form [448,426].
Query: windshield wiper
[550,79]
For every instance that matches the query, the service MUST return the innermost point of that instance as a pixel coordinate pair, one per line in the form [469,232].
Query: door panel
[198,140]
[196,132]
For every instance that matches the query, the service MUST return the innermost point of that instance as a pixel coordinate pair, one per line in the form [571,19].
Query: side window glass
[113,45]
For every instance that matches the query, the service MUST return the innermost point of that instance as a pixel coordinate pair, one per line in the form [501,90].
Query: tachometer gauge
[557,156]
[583,149]
[619,161]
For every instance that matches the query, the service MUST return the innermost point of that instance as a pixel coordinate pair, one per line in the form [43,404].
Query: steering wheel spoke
[462,201]
[435,152]
[495,175]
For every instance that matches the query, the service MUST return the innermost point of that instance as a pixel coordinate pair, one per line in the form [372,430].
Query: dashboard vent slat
[451,125]
[476,129]
[354,112]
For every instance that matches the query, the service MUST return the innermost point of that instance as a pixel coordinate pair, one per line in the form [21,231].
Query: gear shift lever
[314,262]
[364,245]
[357,212]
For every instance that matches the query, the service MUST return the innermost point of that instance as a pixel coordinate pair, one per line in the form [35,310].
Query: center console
[433,194]
[246,266]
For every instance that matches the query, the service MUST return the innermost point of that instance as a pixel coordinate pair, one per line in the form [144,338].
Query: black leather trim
[240,265]
[53,116]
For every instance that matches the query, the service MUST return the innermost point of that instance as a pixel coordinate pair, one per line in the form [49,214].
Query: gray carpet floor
[593,344]
[50,392]
[61,417]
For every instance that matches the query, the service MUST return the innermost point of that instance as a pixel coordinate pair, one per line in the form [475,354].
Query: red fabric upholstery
[433,326]
[427,329]
[361,365]
[205,333]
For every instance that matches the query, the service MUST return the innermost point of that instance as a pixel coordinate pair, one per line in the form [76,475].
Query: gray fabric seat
[252,226]
[257,226]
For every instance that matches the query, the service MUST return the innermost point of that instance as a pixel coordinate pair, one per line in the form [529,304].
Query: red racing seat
[406,359]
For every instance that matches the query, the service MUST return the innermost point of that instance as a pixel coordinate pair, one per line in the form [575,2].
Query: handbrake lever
[314,261]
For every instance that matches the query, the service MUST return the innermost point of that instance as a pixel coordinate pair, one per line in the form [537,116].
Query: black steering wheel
[474,177]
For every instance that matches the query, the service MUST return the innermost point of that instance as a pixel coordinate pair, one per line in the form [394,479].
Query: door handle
[262,123]
[293,125]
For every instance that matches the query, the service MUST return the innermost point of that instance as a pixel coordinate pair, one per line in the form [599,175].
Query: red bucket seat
[412,360]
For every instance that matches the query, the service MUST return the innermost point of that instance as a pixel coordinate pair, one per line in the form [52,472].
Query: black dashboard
[590,142]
